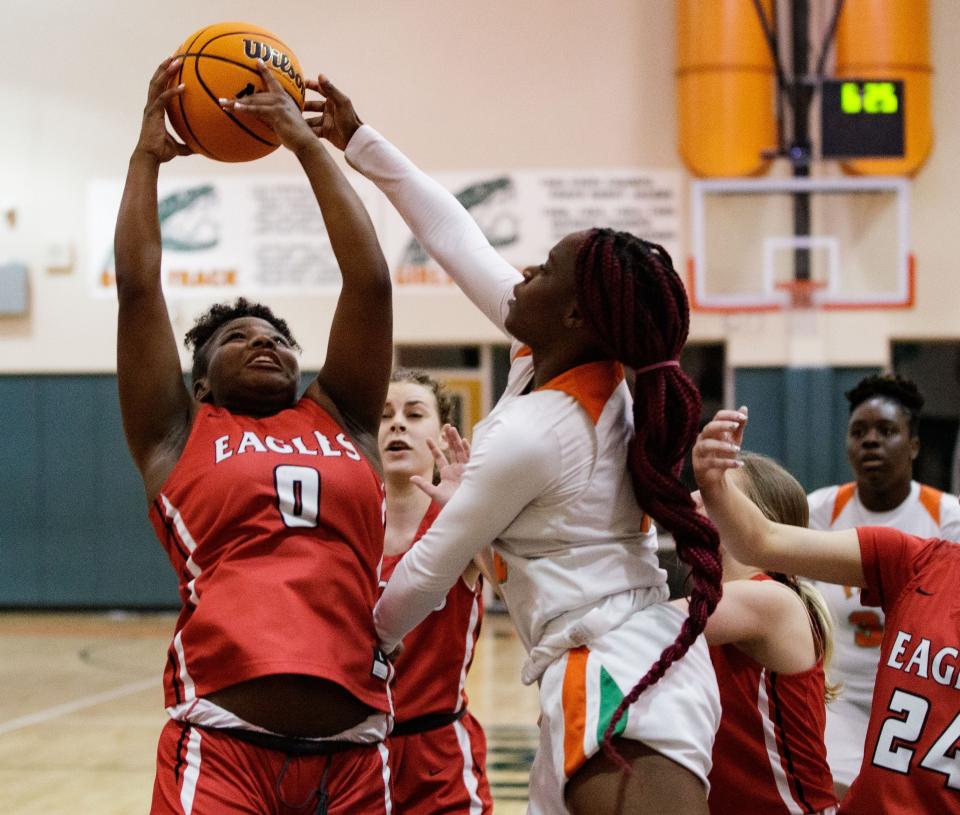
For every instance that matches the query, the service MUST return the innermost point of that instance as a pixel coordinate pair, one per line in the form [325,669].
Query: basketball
[220,61]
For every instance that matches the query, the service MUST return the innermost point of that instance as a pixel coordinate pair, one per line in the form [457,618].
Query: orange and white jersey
[926,513]
[584,538]
[547,482]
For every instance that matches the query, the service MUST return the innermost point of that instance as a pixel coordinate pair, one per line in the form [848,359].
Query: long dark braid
[634,301]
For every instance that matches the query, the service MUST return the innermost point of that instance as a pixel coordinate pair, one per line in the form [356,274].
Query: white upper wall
[469,84]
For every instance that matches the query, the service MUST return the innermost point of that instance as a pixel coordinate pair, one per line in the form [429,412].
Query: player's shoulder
[950,504]
[522,424]
[823,495]
[822,504]
[766,597]
[942,507]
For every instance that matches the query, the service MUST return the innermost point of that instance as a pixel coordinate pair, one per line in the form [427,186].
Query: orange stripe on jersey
[574,709]
[645,522]
[930,498]
[844,494]
[522,351]
[590,384]
[501,572]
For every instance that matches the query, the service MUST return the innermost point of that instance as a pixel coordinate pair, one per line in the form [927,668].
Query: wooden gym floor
[82,708]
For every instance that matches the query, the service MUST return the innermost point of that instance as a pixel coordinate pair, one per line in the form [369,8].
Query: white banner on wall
[264,234]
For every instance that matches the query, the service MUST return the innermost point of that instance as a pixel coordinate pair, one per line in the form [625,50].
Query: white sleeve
[949,518]
[441,224]
[820,503]
[511,466]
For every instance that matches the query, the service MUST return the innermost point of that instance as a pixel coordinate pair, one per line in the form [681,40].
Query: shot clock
[862,118]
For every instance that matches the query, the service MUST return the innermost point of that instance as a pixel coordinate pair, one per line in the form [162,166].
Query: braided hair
[633,300]
[897,389]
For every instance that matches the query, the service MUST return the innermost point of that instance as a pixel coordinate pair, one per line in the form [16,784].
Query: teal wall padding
[799,417]
[73,516]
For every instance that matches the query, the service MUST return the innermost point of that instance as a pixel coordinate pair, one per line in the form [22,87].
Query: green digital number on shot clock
[869,97]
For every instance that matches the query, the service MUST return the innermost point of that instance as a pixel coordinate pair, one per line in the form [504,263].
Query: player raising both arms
[269,507]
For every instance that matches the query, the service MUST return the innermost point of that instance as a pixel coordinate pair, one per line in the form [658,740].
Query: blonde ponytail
[822,623]
[780,498]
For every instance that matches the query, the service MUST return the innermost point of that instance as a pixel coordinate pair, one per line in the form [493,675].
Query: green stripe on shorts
[610,698]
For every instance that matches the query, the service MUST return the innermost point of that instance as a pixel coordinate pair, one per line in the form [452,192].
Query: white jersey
[547,484]
[582,537]
[926,513]
[547,481]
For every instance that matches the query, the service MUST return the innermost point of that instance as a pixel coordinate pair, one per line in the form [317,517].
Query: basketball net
[801,293]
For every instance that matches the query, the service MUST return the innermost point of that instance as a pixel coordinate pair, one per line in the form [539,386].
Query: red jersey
[768,755]
[275,529]
[911,761]
[431,672]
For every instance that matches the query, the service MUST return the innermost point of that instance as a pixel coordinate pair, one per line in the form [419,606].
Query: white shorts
[678,717]
[844,737]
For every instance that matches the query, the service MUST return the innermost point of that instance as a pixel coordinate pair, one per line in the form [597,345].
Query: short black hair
[206,325]
[896,388]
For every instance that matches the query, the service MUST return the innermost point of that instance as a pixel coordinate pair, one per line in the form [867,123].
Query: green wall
[799,417]
[73,517]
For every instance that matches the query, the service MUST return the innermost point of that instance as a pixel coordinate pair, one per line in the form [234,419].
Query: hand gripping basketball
[155,140]
[275,108]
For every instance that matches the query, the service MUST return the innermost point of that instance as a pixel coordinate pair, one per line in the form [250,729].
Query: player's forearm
[444,228]
[490,497]
[137,246]
[430,568]
[406,601]
[744,530]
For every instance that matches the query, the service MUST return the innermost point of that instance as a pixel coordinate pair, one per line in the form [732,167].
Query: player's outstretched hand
[155,140]
[338,121]
[718,446]
[274,107]
[450,465]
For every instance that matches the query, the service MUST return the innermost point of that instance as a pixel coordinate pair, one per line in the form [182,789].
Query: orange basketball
[220,61]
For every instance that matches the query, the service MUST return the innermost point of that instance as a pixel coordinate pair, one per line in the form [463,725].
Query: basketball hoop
[802,292]
[744,250]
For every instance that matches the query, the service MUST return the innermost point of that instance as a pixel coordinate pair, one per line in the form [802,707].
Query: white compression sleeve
[441,224]
[511,466]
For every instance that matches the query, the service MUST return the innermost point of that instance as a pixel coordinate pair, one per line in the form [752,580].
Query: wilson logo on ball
[261,50]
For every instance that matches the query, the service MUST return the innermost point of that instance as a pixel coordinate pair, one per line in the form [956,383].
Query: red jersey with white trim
[768,755]
[437,654]
[911,763]
[274,526]
[926,513]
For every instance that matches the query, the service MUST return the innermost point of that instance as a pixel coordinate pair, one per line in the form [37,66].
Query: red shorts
[442,771]
[203,772]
